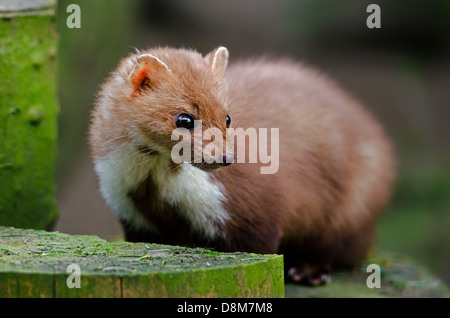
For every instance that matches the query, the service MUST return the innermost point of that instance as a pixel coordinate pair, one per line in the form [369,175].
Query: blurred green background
[400,72]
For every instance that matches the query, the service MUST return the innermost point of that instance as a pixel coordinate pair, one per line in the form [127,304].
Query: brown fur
[335,170]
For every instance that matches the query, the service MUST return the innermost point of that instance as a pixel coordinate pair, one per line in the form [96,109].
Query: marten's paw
[310,274]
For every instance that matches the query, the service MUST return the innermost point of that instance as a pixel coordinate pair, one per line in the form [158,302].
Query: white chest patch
[194,192]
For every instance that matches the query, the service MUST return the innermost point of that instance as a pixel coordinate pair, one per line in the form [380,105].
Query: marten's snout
[228,159]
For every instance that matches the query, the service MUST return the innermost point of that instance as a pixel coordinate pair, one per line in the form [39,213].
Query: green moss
[34,263]
[28,121]
[35,259]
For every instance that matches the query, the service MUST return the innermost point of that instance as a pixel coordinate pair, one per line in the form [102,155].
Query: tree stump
[35,264]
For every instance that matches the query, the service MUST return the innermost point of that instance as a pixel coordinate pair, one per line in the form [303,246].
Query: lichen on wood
[34,264]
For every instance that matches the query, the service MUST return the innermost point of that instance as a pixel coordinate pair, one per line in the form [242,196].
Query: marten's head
[173,103]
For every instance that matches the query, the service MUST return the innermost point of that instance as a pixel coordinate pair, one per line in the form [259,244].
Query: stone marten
[319,209]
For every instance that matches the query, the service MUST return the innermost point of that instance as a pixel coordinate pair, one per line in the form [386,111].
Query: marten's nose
[228,159]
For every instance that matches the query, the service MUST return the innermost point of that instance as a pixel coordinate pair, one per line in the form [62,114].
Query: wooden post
[28,113]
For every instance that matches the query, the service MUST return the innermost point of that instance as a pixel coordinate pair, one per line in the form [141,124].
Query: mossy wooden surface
[400,278]
[28,118]
[34,264]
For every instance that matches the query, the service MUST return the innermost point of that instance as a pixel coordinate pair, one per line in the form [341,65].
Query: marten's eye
[184,121]
[228,121]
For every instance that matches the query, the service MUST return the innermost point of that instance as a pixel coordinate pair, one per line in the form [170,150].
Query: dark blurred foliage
[401,72]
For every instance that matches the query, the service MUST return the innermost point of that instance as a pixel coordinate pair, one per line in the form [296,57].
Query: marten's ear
[218,59]
[147,72]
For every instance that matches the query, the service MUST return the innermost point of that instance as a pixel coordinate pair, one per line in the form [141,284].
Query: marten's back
[335,164]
